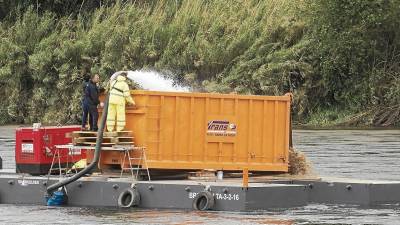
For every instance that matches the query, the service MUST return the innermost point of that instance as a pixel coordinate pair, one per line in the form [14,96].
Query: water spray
[154,81]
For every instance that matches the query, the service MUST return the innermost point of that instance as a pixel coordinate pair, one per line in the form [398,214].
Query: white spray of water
[154,81]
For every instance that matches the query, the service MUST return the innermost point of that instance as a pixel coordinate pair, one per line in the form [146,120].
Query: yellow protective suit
[78,165]
[119,95]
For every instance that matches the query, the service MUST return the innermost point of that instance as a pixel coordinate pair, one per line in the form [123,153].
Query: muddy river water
[361,154]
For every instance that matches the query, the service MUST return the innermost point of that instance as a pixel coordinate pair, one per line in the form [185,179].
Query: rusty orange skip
[192,131]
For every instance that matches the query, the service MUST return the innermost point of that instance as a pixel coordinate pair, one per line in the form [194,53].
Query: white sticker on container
[27,148]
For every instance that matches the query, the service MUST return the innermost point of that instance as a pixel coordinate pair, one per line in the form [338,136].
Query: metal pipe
[96,158]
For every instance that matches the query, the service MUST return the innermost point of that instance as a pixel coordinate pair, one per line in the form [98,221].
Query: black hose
[96,158]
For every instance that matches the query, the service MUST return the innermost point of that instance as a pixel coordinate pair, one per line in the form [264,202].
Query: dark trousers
[95,116]
[85,115]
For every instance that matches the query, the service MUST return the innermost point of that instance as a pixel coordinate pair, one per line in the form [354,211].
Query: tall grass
[251,47]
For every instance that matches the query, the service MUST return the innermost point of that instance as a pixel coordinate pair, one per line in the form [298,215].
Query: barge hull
[229,196]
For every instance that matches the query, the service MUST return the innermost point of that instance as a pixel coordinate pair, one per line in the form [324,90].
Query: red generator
[35,148]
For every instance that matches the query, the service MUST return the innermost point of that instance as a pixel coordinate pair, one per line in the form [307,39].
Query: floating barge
[229,195]
[181,132]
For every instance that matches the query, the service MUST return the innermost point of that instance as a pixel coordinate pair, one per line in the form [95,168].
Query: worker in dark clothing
[85,107]
[92,100]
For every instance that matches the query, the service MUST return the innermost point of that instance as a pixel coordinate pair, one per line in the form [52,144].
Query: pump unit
[35,148]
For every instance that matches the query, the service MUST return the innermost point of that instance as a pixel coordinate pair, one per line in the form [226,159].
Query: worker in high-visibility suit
[119,95]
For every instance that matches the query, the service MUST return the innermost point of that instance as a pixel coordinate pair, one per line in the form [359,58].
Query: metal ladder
[57,157]
[141,158]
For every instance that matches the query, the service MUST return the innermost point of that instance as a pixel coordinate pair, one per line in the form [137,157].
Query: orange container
[193,131]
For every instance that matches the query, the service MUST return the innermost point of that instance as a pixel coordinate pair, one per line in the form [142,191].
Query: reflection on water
[74,215]
[311,214]
[372,154]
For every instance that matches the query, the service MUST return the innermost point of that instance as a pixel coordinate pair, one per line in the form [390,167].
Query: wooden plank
[110,134]
[105,134]
[84,134]
[83,145]
[91,138]
[118,133]
[111,141]
[119,148]
[82,140]
[94,144]
[105,139]
[125,143]
[95,138]
[123,139]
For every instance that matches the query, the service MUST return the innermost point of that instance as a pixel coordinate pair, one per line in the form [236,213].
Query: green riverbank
[340,59]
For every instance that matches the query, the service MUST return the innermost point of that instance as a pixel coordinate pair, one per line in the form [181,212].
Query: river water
[361,154]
